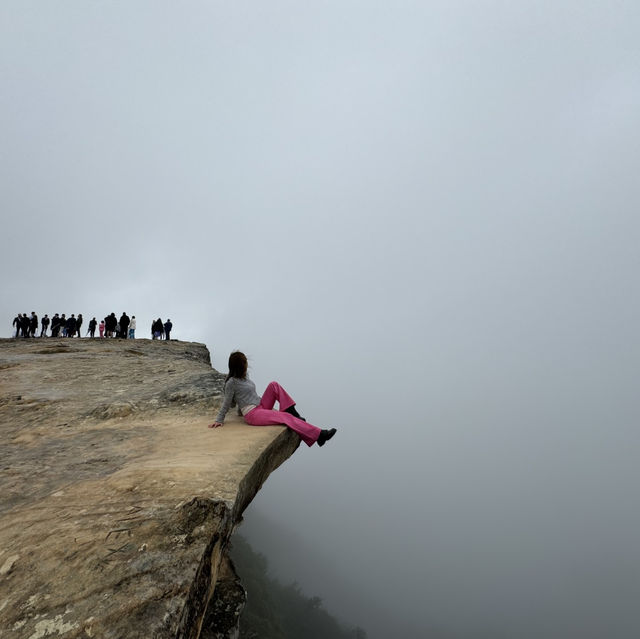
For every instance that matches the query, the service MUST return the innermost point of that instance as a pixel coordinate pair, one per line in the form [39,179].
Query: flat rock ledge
[117,503]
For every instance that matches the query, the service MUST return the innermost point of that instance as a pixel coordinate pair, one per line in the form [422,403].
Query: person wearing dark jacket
[92,327]
[157,329]
[110,324]
[33,324]
[24,325]
[71,325]
[17,322]
[45,325]
[55,325]
[79,324]
[124,325]
[167,328]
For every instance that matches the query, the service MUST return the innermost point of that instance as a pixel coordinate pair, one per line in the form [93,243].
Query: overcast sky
[421,218]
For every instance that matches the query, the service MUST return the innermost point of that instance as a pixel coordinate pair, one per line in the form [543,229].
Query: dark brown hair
[237,365]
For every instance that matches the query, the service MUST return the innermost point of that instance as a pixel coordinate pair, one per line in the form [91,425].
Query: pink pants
[265,415]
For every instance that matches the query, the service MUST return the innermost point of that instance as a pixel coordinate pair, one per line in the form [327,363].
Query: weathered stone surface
[222,620]
[116,502]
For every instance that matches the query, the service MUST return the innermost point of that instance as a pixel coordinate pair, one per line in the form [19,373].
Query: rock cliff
[117,503]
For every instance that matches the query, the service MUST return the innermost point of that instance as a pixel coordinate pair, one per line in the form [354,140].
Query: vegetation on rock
[277,611]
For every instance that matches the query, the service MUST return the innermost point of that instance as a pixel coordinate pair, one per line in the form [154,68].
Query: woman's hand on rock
[215,425]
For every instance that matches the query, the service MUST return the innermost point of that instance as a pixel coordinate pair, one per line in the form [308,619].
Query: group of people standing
[63,326]
[26,326]
[160,330]
[123,328]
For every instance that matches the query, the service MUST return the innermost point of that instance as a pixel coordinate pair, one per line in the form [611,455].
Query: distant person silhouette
[72,324]
[55,325]
[132,327]
[33,324]
[24,325]
[157,329]
[45,325]
[17,322]
[124,325]
[110,323]
[167,328]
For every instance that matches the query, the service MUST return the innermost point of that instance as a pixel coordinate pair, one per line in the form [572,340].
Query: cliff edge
[117,503]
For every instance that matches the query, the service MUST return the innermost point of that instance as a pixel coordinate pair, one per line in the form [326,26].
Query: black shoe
[325,436]
[292,411]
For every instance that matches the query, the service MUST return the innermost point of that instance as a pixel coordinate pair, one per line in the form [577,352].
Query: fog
[422,219]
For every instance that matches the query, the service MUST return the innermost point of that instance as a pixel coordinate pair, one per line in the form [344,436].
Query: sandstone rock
[7,566]
[117,502]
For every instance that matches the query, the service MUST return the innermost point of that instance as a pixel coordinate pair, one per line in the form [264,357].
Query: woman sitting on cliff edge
[259,411]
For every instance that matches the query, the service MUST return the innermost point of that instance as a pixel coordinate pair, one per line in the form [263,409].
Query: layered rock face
[117,503]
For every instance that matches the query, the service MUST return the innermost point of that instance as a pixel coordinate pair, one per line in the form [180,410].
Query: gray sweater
[243,391]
